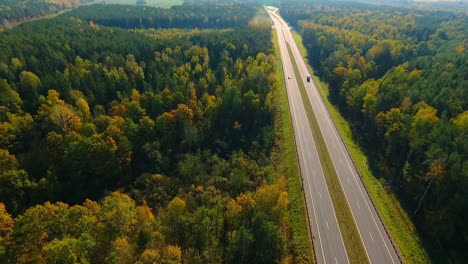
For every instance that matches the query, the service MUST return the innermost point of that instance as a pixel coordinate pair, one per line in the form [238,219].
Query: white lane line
[320,194]
[283,43]
[336,261]
[294,115]
[329,123]
[293,45]
[358,205]
[327,224]
[313,208]
[322,107]
[371,236]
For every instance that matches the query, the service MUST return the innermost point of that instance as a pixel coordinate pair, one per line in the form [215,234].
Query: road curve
[376,241]
[328,242]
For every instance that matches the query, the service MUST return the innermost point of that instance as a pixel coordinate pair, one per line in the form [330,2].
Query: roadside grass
[288,166]
[398,223]
[348,228]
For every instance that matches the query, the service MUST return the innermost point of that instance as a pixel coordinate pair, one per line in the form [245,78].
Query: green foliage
[184,124]
[119,115]
[187,15]
[396,74]
[14,11]
[69,250]
[112,229]
[240,247]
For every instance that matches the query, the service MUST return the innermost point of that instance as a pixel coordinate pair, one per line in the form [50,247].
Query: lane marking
[287,61]
[358,205]
[328,227]
[371,236]
[286,41]
[294,114]
[328,123]
[320,194]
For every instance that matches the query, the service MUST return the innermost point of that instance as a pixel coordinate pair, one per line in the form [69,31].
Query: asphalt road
[328,244]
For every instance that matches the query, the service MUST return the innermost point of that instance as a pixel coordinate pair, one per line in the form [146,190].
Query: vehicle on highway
[308,78]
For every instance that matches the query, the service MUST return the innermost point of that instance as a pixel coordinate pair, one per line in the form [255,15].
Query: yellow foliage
[66,119]
[436,171]
[144,213]
[173,253]
[83,107]
[122,251]
[118,110]
[425,112]
[267,197]
[16,64]
[177,207]
[233,212]
[246,201]
[150,256]
[136,96]
[53,98]
[6,221]
[462,121]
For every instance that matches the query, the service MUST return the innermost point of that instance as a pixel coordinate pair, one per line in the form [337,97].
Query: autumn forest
[137,134]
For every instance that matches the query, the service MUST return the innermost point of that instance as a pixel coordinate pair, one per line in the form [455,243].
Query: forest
[14,11]
[188,15]
[400,78]
[118,147]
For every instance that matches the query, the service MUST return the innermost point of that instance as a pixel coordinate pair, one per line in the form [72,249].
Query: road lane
[328,242]
[376,241]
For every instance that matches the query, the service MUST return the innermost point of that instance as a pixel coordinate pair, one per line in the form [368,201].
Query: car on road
[308,78]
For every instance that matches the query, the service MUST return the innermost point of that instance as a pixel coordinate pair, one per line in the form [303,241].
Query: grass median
[349,231]
[288,165]
[394,217]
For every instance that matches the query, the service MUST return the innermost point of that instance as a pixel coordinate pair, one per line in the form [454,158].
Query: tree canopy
[399,76]
[118,147]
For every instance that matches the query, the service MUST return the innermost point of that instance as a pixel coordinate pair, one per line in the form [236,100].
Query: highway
[328,243]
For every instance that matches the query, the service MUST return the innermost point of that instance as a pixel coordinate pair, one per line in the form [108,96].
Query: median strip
[396,220]
[351,238]
[289,165]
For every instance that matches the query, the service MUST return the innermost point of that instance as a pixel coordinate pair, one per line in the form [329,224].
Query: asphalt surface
[328,243]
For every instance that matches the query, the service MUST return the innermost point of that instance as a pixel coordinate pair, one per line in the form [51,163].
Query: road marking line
[336,261]
[321,169]
[294,116]
[320,194]
[288,61]
[371,236]
[327,224]
[358,205]
[328,123]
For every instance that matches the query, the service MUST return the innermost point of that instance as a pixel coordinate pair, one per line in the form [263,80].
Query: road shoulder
[395,219]
[289,166]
